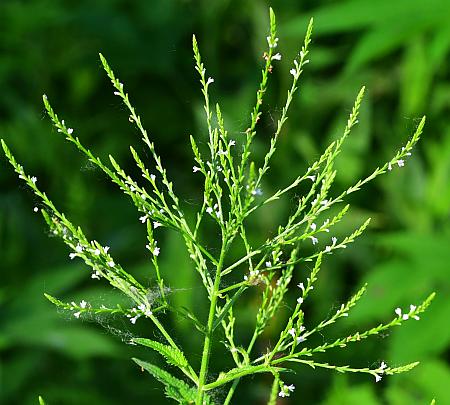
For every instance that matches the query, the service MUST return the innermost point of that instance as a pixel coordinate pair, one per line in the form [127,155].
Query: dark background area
[399,49]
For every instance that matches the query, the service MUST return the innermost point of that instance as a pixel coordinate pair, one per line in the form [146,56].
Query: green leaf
[175,388]
[172,355]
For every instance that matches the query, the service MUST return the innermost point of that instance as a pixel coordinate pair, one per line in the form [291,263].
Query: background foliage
[400,50]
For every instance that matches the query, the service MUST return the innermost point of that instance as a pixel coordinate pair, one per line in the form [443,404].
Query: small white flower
[293,72]
[143,218]
[34,179]
[106,248]
[268,264]
[277,56]
[96,275]
[77,314]
[133,320]
[156,251]
[210,80]
[389,166]
[301,286]
[232,143]
[312,178]
[383,365]
[143,196]
[272,42]
[111,263]
[97,252]
[278,282]
[398,311]
[83,304]
[257,191]
[72,255]
[377,378]
[405,317]
[79,248]
[70,131]
[195,169]
[291,387]
[300,300]
[35,209]
[209,210]
[314,240]
[400,163]
[334,240]
[416,317]
[300,339]
[156,224]
[152,177]
[324,202]
[292,332]
[117,93]
[328,249]
[313,226]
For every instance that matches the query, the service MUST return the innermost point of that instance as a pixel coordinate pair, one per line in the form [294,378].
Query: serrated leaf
[175,388]
[173,356]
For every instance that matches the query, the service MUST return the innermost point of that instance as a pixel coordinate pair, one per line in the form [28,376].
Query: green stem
[274,391]
[209,329]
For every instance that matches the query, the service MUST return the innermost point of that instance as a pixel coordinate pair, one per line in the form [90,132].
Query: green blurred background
[399,49]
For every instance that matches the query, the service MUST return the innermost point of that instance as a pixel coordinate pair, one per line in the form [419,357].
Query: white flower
[83,304]
[257,191]
[232,143]
[300,300]
[314,240]
[301,286]
[293,72]
[195,169]
[96,275]
[143,218]
[383,365]
[268,264]
[377,378]
[106,248]
[156,224]
[389,166]
[77,314]
[143,196]
[272,42]
[292,332]
[405,317]
[328,249]
[209,210]
[70,131]
[152,177]
[277,56]
[210,80]
[117,93]
[398,311]
[111,263]
[79,248]
[300,339]
[34,179]
[312,178]
[97,252]
[35,209]
[156,251]
[133,320]
[400,163]
[313,226]
[279,282]
[334,240]
[412,308]
[72,255]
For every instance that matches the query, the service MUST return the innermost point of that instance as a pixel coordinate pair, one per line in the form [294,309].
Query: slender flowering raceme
[232,191]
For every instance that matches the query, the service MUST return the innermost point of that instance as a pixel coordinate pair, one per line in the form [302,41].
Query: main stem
[209,330]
